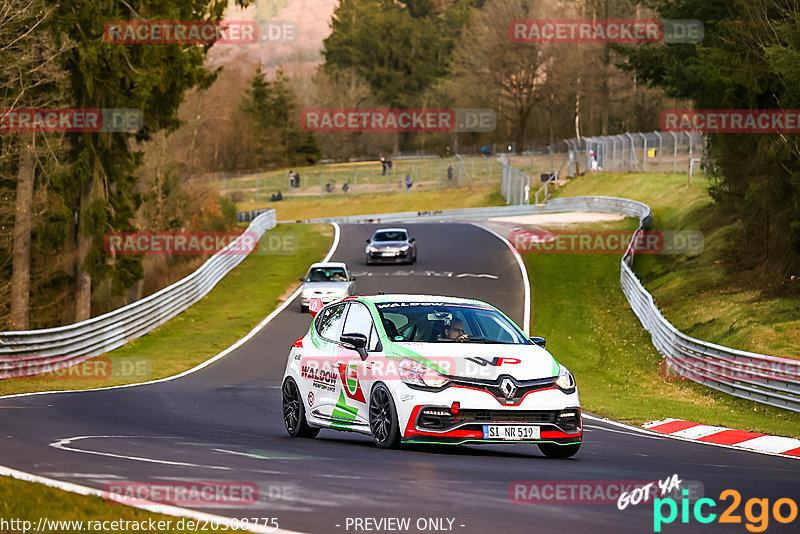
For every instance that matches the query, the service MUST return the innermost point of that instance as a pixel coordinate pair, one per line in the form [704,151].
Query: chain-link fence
[527,177]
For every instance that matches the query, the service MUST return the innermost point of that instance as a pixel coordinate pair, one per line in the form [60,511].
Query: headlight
[414,373]
[339,292]
[565,380]
[405,248]
[308,292]
[372,249]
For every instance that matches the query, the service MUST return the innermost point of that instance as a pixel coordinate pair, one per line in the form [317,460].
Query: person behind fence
[346,186]
[383,166]
[329,187]
[594,160]
[449,172]
[389,165]
[297,179]
[408,183]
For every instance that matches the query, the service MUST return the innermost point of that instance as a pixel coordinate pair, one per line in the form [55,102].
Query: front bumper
[426,417]
[395,257]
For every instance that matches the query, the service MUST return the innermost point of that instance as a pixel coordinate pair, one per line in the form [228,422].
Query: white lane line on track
[526,318]
[63,445]
[156,508]
[242,341]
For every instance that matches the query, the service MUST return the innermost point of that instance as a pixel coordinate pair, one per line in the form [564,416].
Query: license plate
[511,432]
[388,253]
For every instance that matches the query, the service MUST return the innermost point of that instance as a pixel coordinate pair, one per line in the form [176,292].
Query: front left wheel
[294,413]
[383,418]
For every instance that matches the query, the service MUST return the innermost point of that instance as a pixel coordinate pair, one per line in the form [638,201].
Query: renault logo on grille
[508,388]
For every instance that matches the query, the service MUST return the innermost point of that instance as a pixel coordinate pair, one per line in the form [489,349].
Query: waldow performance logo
[71,120]
[397,120]
[622,31]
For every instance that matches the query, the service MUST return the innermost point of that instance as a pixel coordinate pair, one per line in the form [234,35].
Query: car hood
[385,244]
[325,286]
[481,361]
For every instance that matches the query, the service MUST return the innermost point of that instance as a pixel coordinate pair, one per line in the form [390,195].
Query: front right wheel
[383,418]
[552,450]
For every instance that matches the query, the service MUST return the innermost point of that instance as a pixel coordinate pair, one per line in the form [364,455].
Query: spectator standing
[408,183]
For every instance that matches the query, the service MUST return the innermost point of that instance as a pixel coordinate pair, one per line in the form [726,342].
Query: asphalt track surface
[224,423]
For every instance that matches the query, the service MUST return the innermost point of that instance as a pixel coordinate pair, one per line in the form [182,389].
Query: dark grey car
[391,245]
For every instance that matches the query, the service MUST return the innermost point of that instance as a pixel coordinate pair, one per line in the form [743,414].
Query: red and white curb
[719,435]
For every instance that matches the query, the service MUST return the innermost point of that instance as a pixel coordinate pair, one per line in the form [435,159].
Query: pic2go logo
[756,511]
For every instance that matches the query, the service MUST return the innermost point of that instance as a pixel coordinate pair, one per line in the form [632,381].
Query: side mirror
[352,278]
[369,240]
[539,341]
[412,240]
[356,342]
[302,279]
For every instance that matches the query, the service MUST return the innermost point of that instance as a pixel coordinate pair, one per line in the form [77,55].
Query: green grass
[299,208]
[581,310]
[241,299]
[27,501]
[579,306]
[704,295]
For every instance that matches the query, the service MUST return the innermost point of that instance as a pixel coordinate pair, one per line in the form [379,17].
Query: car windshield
[390,236]
[434,322]
[326,274]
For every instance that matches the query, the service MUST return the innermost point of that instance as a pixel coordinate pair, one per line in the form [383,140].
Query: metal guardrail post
[644,152]
[660,149]
[674,152]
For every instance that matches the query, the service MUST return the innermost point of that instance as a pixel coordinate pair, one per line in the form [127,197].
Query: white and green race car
[430,369]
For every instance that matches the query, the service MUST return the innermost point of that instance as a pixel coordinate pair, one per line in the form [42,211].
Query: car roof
[404,297]
[328,264]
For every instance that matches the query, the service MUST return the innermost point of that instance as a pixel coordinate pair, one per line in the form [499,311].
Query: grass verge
[214,323]
[339,205]
[579,306]
[704,295]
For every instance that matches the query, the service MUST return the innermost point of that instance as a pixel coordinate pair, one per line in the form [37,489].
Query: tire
[294,412]
[383,418]
[303,308]
[552,450]
[366,260]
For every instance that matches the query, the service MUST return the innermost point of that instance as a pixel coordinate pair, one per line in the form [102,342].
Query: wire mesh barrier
[27,353]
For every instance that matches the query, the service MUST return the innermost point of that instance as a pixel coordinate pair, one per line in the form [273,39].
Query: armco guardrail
[35,351]
[762,378]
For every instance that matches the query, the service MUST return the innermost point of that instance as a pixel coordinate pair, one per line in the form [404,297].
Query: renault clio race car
[429,369]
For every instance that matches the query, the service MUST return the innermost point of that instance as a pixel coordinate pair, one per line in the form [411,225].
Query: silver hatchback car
[328,282]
